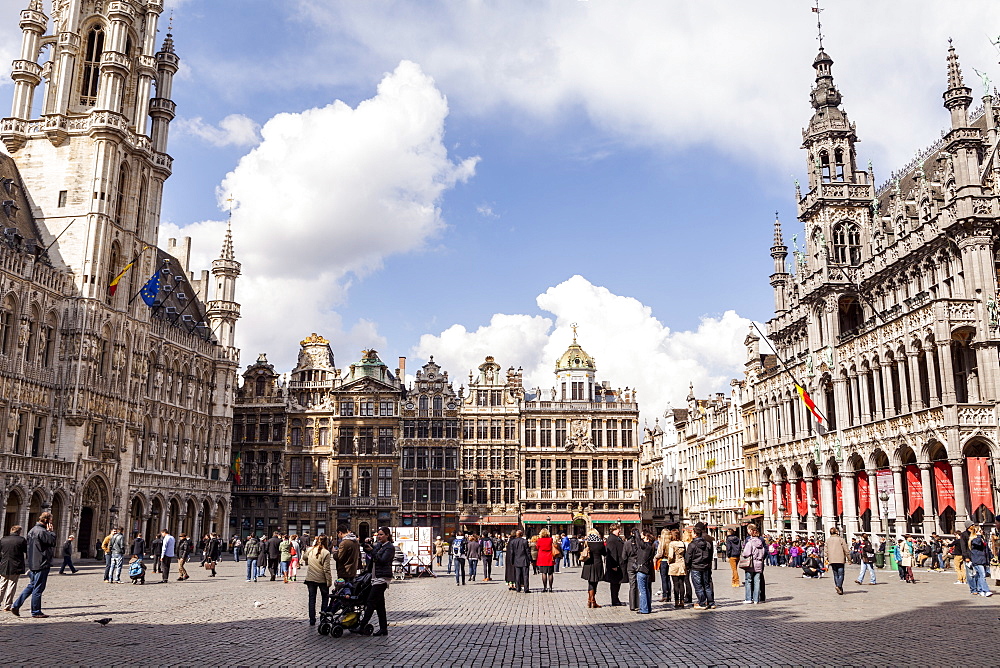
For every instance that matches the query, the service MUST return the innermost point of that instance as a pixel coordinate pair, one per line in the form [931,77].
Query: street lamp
[814,505]
[548,523]
[883,498]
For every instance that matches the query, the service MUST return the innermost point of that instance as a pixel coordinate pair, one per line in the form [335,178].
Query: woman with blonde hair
[319,577]
[533,546]
[687,536]
[544,560]
[662,565]
[676,566]
[980,553]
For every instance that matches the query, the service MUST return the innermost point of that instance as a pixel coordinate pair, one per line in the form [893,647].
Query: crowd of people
[684,560]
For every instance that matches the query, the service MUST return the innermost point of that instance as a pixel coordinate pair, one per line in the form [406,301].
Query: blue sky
[496,171]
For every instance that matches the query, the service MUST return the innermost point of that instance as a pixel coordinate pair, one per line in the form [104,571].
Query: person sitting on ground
[137,570]
[811,567]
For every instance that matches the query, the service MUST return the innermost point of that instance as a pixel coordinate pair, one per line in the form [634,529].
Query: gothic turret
[224,311]
[162,109]
[958,97]
[830,137]
[779,279]
[962,141]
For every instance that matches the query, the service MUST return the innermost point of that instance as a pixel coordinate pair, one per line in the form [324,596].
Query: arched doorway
[173,520]
[979,482]
[12,511]
[364,531]
[93,517]
[218,523]
[136,514]
[192,517]
[62,528]
[34,509]
[155,519]
[204,519]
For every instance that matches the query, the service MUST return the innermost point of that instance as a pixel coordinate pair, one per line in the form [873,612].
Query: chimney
[402,370]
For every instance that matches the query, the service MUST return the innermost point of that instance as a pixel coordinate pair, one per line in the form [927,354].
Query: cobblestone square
[213,621]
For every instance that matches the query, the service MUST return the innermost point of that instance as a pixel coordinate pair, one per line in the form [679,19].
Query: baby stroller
[346,606]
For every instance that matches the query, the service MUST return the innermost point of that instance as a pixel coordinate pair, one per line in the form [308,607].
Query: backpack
[487,547]
[135,569]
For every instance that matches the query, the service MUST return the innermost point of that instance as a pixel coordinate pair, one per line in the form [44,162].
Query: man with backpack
[458,552]
[486,556]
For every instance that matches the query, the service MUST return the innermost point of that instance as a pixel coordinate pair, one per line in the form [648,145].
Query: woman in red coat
[545,563]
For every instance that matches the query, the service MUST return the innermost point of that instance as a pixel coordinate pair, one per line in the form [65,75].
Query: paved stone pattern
[213,621]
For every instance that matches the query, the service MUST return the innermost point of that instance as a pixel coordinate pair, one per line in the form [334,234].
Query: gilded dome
[575,357]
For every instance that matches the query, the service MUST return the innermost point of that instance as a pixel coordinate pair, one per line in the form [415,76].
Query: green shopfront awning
[615,518]
[546,518]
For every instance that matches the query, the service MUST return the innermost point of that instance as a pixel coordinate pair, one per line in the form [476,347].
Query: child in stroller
[346,606]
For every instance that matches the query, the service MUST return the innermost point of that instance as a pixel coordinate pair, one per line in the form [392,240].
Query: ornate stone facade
[429,473]
[888,318]
[111,411]
[579,450]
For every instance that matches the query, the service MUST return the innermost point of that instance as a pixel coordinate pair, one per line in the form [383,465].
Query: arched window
[847,244]
[7,335]
[824,166]
[113,269]
[838,160]
[259,386]
[92,66]
[31,345]
[120,198]
[140,207]
[46,340]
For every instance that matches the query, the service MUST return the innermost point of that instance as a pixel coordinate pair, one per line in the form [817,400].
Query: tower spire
[819,24]
[958,97]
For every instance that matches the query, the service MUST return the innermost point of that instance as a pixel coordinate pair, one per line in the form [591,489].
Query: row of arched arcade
[898,491]
[91,514]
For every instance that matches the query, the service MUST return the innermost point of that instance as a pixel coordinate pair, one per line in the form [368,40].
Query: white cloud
[486,211]
[233,130]
[630,345]
[733,76]
[328,194]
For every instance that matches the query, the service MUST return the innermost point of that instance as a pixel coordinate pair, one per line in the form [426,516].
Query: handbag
[585,553]
[744,563]
[209,565]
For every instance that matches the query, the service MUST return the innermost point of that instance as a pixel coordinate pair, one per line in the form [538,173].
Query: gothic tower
[88,136]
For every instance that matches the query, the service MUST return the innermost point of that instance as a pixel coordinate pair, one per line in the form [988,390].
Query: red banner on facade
[839,487]
[786,499]
[944,484]
[979,482]
[801,500]
[864,496]
[914,490]
[818,495]
[775,493]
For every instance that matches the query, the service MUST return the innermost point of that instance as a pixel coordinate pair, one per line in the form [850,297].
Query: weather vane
[819,25]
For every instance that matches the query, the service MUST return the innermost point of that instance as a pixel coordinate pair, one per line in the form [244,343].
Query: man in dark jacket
[347,554]
[614,567]
[183,552]
[67,553]
[157,547]
[13,563]
[213,551]
[274,554]
[733,548]
[519,555]
[41,543]
[698,557]
[138,545]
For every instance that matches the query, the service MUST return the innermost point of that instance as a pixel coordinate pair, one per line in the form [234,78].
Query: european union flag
[151,289]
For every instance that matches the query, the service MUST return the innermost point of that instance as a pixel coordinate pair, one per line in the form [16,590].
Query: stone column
[930,517]
[958,478]
[897,493]
[947,372]
[850,504]
[855,399]
[810,514]
[916,398]
[904,390]
[930,356]
[841,401]
[864,398]
[793,511]
[873,500]
[879,389]
[828,494]
[768,507]
[889,407]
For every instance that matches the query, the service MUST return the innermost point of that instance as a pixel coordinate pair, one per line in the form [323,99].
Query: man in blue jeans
[564,546]
[867,560]
[41,544]
[699,556]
